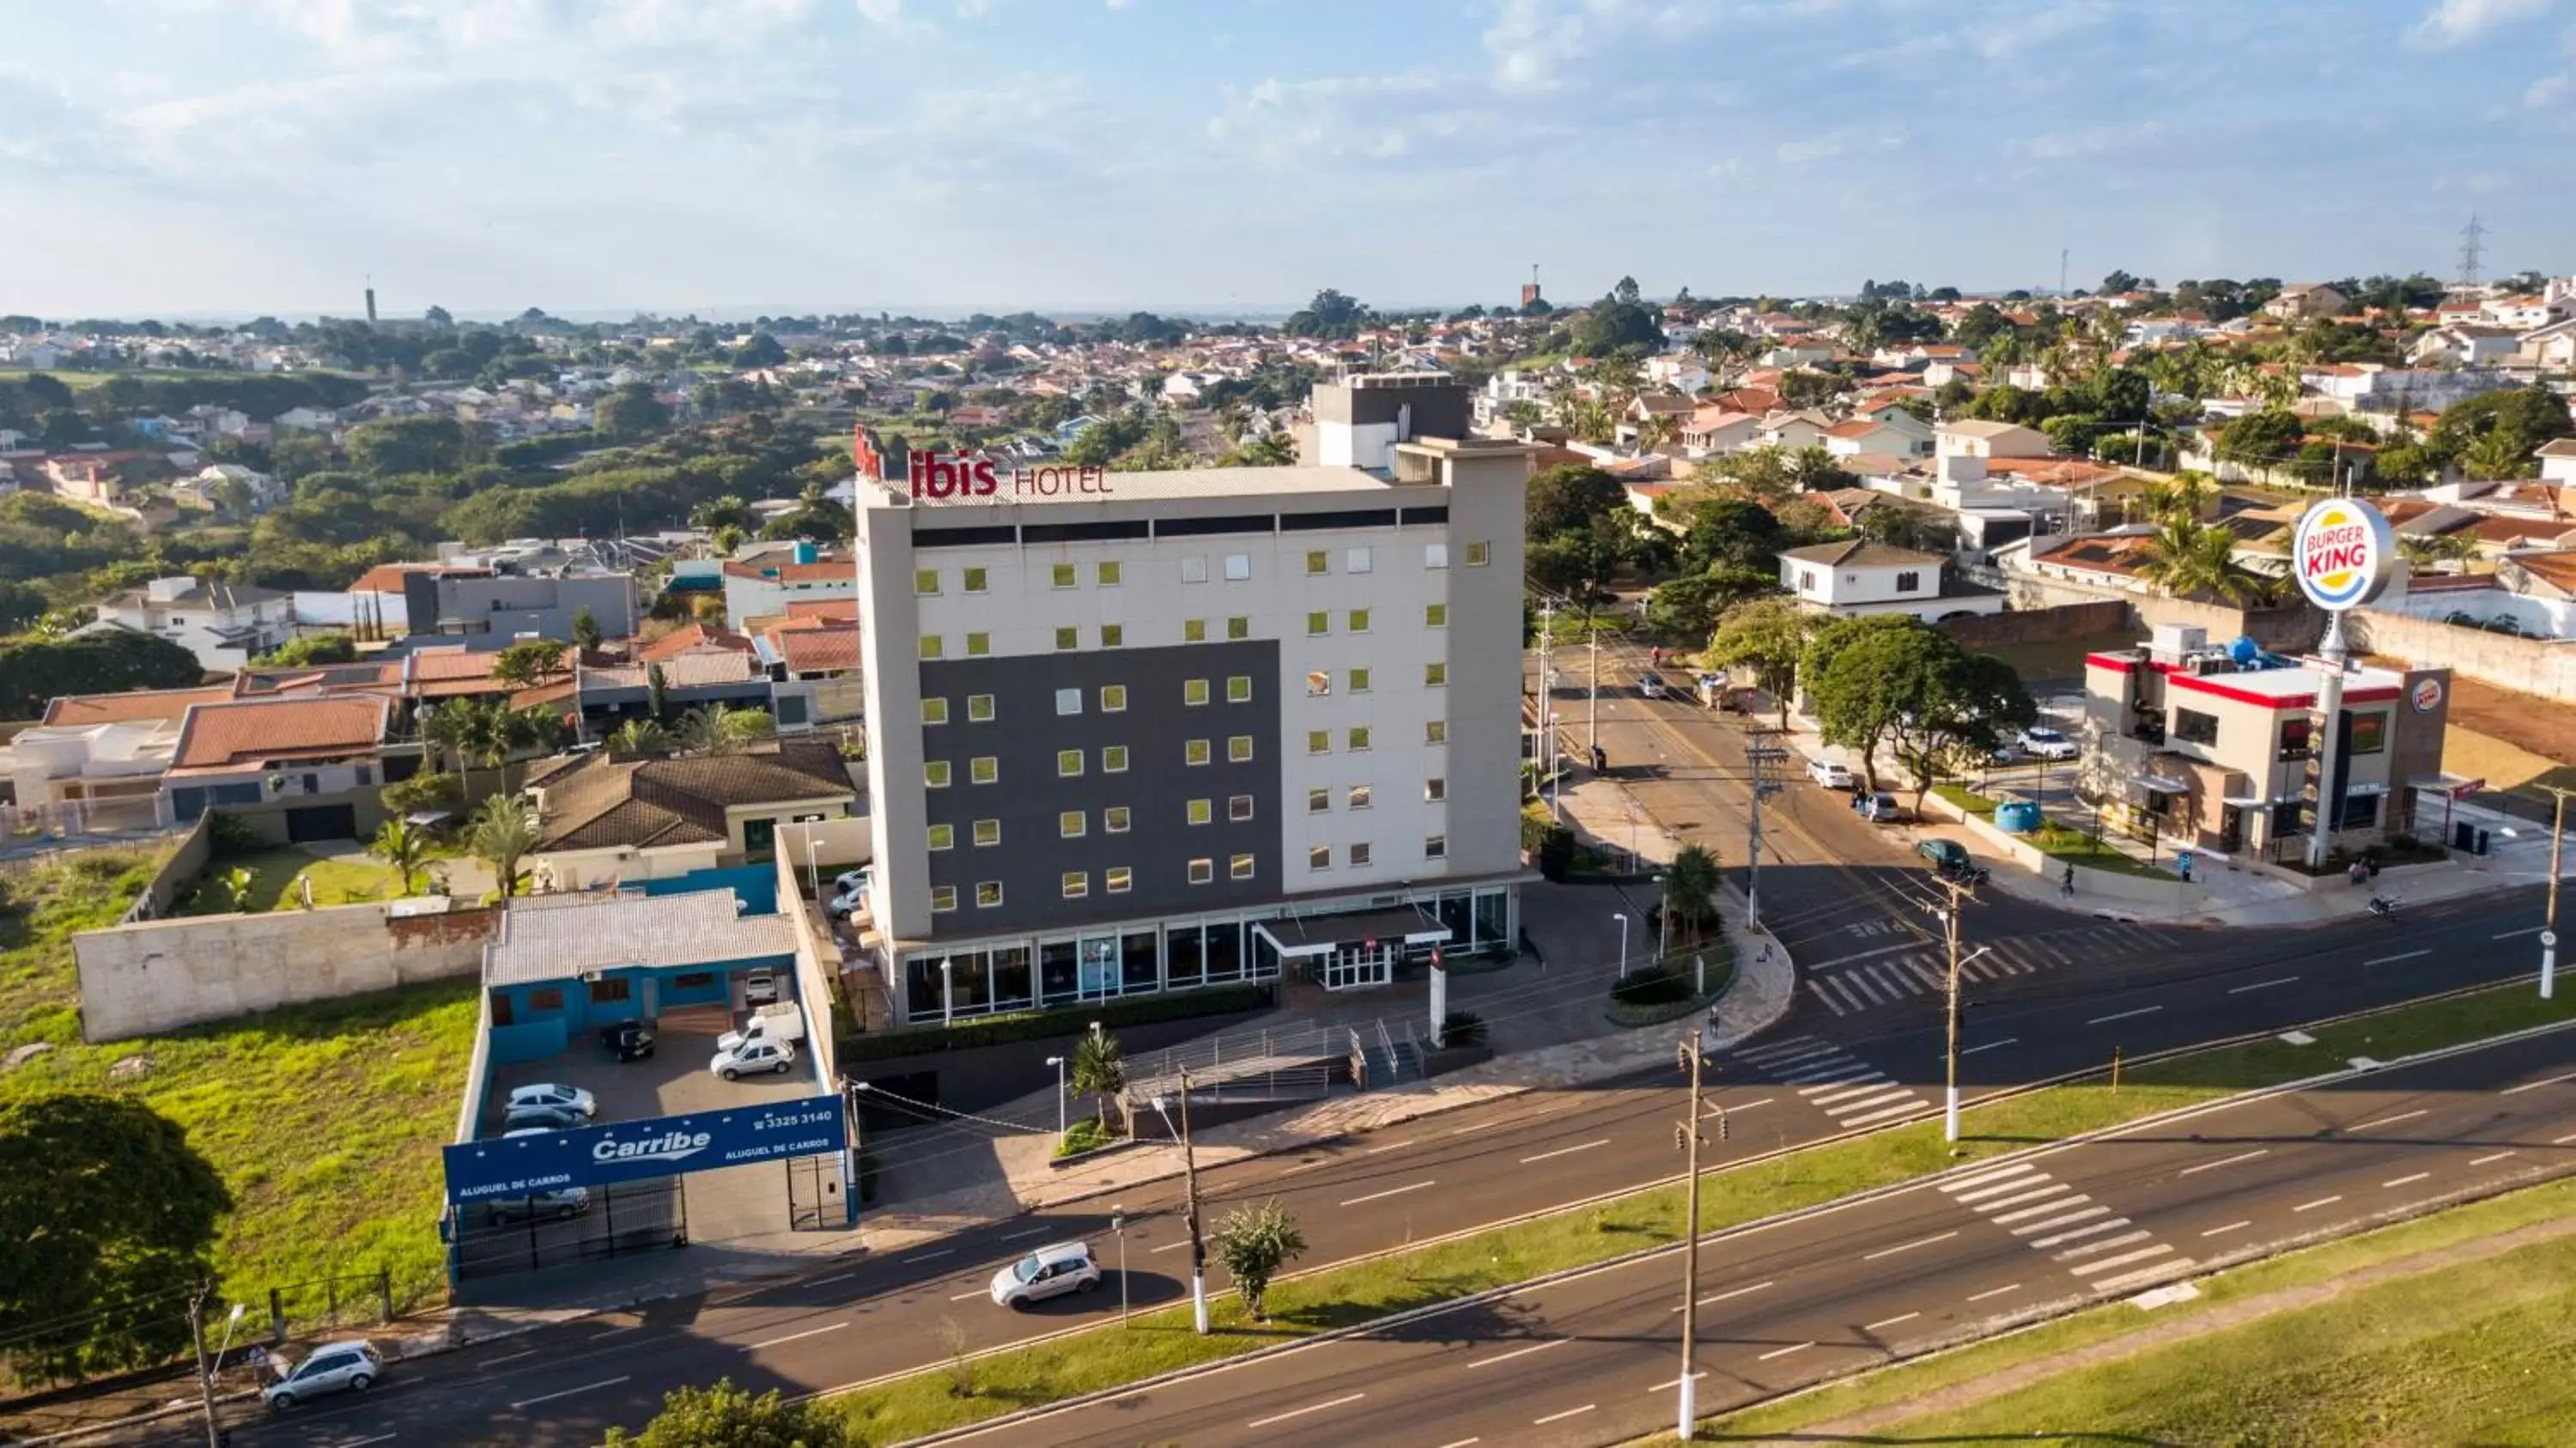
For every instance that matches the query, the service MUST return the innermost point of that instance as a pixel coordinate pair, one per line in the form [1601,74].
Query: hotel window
[976,580]
[934,711]
[1067,639]
[1240,867]
[1238,749]
[1068,701]
[987,833]
[983,769]
[930,646]
[2369,733]
[1360,796]
[1238,627]
[1319,682]
[1072,824]
[925,582]
[1318,801]
[1202,811]
[1319,857]
[1319,741]
[1435,615]
[988,894]
[1359,855]
[1194,630]
[1479,554]
[1435,675]
[943,898]
[934,773]
[978,645]
[1359,620]
[1108,574]
[1238,567]
[1113,759]
[942,837]
[1359,737]
[1196,751]
[1435,790]
[1359,681]
[1194,691]
[1118,879]
[1238,688]
[1113,698]
[1238,807]
[979,708]
[1435,555]
[1194,568]
[1435,847]
[1318,561]
[1202,871]
[1318,624]
[1077,883]
[2194,727]
[1356,561]
[1066,577]
[1113,635]
[1113,820]
[1068,763]
[1435,731]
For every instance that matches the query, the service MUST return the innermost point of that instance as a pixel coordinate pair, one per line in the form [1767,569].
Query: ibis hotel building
[1136,732]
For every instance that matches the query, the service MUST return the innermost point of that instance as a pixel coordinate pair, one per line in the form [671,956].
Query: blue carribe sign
[657,1146]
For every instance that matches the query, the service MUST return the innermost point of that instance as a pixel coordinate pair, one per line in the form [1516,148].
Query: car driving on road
[1651,684]
[1829,774]
[351,1366]
[2040,743]
[1047,1272]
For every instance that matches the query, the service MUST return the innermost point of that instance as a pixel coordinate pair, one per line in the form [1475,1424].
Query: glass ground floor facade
[967,978]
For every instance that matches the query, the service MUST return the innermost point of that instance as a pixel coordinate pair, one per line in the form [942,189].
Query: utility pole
[205,1370]
[2549,920]
[1592,698]
[1687,1136]
[1190,1186]
[1949,914]
[1542,749]
[1757,754]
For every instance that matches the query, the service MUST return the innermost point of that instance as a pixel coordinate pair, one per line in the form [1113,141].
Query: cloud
[1807,153]
[2092,141]
[2549,90]
[2458,22]
[2039,28]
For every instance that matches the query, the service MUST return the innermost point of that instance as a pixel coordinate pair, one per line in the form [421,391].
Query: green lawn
[340,881]
[2055,840]
[1355,1293]
[326,1121]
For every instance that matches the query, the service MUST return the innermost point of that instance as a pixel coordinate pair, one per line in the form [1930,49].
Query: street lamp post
[1190,1191]
[947,992]
[1663,923]
[1058,1063]
[1622,917]
[1118,1228]
[2549,919]
[813,868]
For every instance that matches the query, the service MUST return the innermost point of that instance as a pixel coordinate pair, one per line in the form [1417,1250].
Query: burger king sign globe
[2343,554]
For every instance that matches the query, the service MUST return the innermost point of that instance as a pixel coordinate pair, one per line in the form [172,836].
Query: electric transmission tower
[2472,250]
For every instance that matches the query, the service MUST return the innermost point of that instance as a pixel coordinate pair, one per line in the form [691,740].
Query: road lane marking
[1390,1146]
[2491,1156]
[1908,1247]
[2124,1015]
[1853,1092]
[2388,1120]
[815,1332]
[2319,1202]
[2125,1239]
[1737,1292]
[363,1442]
[2042,1244]
[2226,1161]
[930,1256]
[2403,955]
[1520,1352]
[1994,1292]
[2536,1085]
[524,1403]
[2027,1228]
[1302,1412]
[1742,1106]
[1992,1045]
[2510,934]
[1564,1151]
[835,1277]
[2562,1140]
[1827,1078]
[1391,1192]
[1561,1417]
[1889,1321]
[2008,1184]
[1981,1178]
[1031,1232]
[1878,1102]
[1172,1246]
[2083,1269]
[1463,1443]
[1781,1352]
[2043,1209]
[2230,1227]
[2262,985]
[2402,1181]
[985,1291]
[1669,1384]
[508,1358]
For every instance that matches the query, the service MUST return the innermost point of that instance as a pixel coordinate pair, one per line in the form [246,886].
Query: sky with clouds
[177,157]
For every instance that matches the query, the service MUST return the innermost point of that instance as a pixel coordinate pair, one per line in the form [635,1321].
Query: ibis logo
[2342,554]
[669,1146]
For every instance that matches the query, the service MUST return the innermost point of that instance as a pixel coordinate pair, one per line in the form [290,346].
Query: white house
[1793,430]
[2558,462]
[1977,438]
[2465,344]
[1859,577]
[304,419]
[2551,348]
[225,625]
[1892,430]
[1714,429]
[1678,371]
[1798,352]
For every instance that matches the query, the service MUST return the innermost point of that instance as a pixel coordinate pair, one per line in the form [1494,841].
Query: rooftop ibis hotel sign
[960,478]
[2342,554]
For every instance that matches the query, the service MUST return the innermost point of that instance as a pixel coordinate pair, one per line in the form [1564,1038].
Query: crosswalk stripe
[1817,988]
[2140,1278]
[1978,969]
[1983,1190]
[2105,1245]
[2042,1244]
[2106,1264]
[1811,1082]
[1843,992]
[2026,1228]
[1890,1114]
[2050,1189]
[1892,981]
[1884,1098]
[1875,1085]
[1789,1049]
[2061,1204]
[2019,1168]
[1926,974]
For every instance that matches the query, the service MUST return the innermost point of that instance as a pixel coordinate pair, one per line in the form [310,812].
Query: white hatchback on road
[2041,743]
[334,1367]
[1829,774]
[1047,1272]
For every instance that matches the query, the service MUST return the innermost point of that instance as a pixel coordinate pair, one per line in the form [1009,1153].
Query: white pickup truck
[784,1021]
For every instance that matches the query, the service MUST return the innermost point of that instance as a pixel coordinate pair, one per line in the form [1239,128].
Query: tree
[725,1416]
[406,849]
[104,1204]
[21,604]
[2526,417]
[1805,387]
[1568,497]
[1690,892]
[1098,1069]
[1610,324]
[1854,707]
[1252,1243]
[503,832]
[1689,606]
[630,413]
[657,693]
[111,661]
[729,511]
[394,446]
[702,730]
[1330,314]
[2496,457]
[2118,282]
[2191,560]
[528,663]
[639,738]
[761,351]
[1731,533]
[2269,438]
[1768,637]
[2185,496]
[311,649]
[1896,679]
[586,634]
[1968,704]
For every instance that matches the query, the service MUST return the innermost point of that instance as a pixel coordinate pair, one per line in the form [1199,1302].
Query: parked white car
[752,1057]
[2041,743]
[1829,774]
[552,1096]
[335,1367]
[784,1021]
[1047,1272]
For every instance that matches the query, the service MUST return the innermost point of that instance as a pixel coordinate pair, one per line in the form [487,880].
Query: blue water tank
[2017,816]
[805,553]
[2244,651]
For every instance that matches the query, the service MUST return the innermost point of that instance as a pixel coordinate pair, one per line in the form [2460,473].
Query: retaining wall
[160,975]
[2038,625]
[2528,666]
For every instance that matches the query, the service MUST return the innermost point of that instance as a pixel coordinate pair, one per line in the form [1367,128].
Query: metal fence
[606,1221]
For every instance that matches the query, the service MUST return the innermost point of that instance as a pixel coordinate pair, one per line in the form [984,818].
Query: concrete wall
[161,975]
[836,843]
[2287,630]
[183,866]
[2039,625]
[2529,666]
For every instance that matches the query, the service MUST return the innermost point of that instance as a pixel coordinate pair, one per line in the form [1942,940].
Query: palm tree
[2427,549]
[503,833]
[702,730]
[486,734]
[443,729]
[639,737]
[406,849]
[2181,499]
[1690,891]
[1252,1244]
[1098,1069]
[1657,432]
[2189,559]
[2495,457]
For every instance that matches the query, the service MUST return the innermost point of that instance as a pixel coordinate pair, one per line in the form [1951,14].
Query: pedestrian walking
[2066,882]
[2356,874]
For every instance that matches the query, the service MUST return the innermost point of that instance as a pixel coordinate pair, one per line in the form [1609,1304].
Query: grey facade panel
[1437,409]
[1024,737]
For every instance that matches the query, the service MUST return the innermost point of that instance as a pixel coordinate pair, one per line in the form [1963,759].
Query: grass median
[968,1391]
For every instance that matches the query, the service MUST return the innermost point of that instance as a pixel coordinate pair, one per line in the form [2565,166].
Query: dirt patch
[2537,727]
